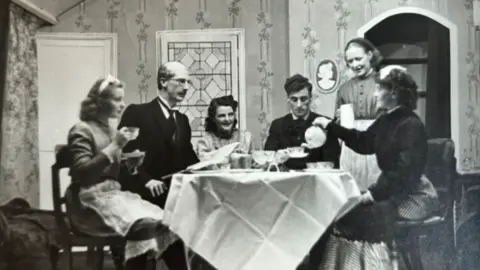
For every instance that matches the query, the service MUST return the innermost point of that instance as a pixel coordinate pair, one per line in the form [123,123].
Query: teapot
[315,137]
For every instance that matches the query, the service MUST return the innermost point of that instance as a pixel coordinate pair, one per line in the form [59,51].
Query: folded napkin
[216,157]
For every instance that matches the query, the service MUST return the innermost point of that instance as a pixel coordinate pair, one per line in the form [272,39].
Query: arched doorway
[394,24]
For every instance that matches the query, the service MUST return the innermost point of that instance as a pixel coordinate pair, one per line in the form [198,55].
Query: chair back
[441,170]
[63,160]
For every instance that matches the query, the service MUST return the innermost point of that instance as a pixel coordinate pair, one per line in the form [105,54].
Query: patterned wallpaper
[276,46]
[136,21]
[326,25]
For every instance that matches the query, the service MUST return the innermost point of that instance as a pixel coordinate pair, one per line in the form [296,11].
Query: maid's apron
[363,168]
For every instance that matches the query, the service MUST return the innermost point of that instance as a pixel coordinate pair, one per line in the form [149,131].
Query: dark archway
[423,46]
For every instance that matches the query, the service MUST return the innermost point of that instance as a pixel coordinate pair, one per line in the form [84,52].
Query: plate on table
[228,171]
[325,170]
[242,170]
[297,154]
[207,172]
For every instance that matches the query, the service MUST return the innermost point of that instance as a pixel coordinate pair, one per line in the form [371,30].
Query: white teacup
[320,165]
[134,131]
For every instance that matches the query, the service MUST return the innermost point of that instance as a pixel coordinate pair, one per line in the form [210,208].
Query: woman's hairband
[108,80]
[386,70]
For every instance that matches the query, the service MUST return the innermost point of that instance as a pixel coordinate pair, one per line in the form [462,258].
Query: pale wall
[336,21]
[129,18]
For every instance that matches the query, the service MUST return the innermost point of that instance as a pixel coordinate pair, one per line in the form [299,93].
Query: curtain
[4,26]
[437,118]
[19,174]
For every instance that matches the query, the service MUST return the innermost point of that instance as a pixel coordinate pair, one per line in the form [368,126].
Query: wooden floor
[433,260]
[430,263]
[80,263]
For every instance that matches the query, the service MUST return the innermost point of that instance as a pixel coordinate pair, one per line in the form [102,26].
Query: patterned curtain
[19,173]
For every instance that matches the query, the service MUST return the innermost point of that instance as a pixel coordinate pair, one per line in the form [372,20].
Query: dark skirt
[361,240]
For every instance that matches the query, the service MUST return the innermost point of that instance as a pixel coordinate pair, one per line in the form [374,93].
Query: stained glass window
[210,66]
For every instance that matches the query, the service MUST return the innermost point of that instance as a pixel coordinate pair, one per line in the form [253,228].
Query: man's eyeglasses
[182,81]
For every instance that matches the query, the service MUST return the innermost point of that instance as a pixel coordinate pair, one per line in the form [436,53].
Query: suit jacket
[286,132]
[163,154]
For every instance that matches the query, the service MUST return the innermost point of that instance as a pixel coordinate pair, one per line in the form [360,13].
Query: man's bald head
[170,70]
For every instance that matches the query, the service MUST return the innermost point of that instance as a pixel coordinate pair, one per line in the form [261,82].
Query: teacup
[263,157]
[296,152]
[320,165]
[240,161]
[134,131]
[133,160]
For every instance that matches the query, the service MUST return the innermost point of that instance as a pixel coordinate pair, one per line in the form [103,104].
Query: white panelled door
[68,65]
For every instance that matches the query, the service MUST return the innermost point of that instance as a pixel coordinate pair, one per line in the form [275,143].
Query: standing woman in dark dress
[399,142]
[363,60]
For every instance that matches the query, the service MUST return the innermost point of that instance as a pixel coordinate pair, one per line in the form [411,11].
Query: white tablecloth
[265,220]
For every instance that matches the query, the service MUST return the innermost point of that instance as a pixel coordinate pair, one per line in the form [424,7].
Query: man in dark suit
[164,135]
[289,130]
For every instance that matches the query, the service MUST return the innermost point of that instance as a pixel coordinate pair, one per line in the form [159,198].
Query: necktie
[172,124]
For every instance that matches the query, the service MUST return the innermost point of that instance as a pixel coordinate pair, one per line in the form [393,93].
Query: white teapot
[315,137]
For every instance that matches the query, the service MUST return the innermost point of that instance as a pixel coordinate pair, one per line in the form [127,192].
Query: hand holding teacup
[133,160]
[124,135]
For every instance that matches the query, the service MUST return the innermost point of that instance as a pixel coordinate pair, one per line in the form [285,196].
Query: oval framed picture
[326,76]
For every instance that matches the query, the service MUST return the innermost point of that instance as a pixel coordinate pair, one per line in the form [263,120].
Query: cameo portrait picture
[327,76]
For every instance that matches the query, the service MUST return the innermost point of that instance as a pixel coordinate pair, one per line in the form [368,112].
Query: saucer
[297,154]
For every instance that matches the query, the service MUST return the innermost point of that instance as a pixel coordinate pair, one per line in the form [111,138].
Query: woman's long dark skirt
[361,240]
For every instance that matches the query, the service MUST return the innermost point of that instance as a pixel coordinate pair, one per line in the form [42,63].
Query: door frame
[454,71]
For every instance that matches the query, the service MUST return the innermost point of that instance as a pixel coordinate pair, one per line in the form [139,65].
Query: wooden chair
[441,171]
[71,237]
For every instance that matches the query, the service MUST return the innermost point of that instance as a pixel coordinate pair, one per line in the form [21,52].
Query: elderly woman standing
[363,59]
[399,142]
[97,205]
[221,128]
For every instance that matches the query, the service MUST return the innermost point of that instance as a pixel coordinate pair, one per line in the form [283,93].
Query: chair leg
[405,255]
[99,254]
[118,256]
[69,252]
[54,253]
[415,254]
[90,256]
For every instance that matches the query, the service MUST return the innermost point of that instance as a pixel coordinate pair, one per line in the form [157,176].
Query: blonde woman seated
[221,128]
[96,204]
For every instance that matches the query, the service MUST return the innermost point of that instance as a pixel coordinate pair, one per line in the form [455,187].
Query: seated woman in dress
[221,128]
[399,142]
[96,204]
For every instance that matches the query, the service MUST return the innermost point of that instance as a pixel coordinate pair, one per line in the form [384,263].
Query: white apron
[363,168]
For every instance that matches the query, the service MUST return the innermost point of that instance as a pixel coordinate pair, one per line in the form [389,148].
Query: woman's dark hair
[364,43]
[210,125]
[403,85]
[97,102]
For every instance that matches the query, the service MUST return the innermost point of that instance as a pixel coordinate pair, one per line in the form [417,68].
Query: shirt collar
[304,117]
[164,103]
